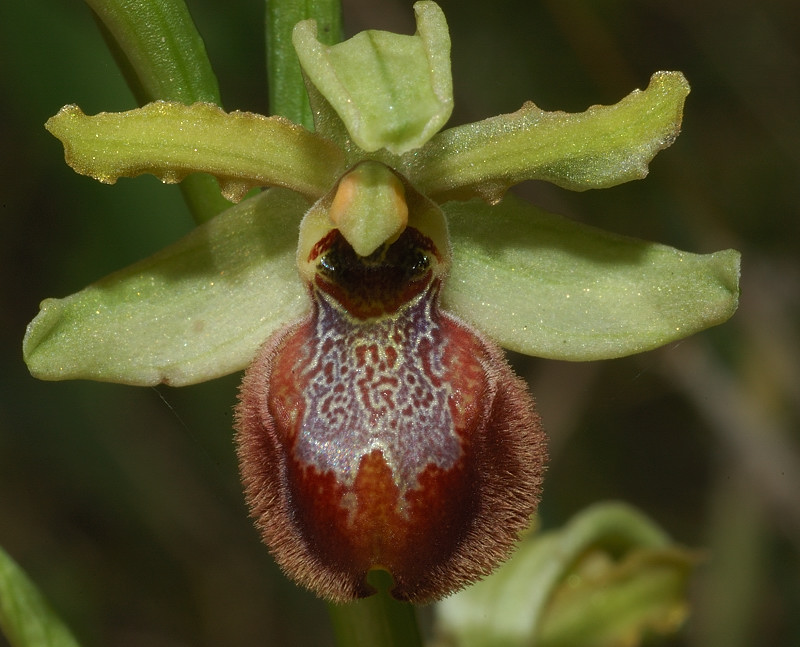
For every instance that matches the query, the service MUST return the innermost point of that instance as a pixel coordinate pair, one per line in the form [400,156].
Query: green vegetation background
[124,503]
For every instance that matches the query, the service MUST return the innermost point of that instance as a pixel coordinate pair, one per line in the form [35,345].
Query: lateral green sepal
[543,285]
[197,310]
[171,140]
[598,148]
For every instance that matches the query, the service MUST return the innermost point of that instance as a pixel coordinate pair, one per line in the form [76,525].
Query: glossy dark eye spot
[368,286]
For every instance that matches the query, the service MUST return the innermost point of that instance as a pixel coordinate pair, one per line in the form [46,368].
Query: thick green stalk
[378,621]
[162,56]
[287,91]
[162,46]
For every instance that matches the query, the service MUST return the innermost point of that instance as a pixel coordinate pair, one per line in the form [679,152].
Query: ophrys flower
[398,218]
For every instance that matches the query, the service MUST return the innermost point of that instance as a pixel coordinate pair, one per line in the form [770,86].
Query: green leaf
[391,91]
[170,140]
[287,91]
[26,618]
[196,310]
[602,147]
[160,42]
[568,584]
[543,285]
[607,603]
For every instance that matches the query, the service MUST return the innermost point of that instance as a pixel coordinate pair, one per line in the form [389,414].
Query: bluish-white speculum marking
[377,384]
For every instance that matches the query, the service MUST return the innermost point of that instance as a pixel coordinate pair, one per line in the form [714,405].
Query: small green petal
[197,310]
[170,140]
[543,285]
[391,91]
[609,576]
[602,147]
[26,618]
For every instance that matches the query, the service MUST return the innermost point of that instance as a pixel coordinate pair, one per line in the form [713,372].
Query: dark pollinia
[382,432]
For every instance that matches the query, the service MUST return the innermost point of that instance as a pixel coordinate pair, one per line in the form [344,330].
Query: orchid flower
[367,290]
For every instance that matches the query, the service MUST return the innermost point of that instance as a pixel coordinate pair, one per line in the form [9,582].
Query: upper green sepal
[196,310]
[170,140]
[390,91]
[598,148]
[547,286]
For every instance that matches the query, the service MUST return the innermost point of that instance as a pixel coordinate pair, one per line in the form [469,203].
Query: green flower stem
[378,621]
[202,195]
[161,44]
[163,56]
[287,91]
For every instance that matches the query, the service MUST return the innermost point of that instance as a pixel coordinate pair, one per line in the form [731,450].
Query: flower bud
[380,432]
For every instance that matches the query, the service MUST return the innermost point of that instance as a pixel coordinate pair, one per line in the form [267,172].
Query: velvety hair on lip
[381,432]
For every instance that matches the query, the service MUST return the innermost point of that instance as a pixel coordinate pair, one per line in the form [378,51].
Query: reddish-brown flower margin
[381,432]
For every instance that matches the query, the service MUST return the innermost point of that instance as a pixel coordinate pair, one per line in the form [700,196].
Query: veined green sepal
[391,91]
[197,310]
[544,285]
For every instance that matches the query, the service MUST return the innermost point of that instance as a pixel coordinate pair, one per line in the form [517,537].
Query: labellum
[379,431]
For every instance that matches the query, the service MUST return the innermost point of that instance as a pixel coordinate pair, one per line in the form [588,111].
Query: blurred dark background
[124,503]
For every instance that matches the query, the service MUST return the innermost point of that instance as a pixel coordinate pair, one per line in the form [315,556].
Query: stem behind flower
[378,621]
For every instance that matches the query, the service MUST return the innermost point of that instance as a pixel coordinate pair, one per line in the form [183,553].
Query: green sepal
[543,285]
[171,140]
[376,621]
[26,619]
[598,148]
[391,91]
[608,578]
[197,310]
